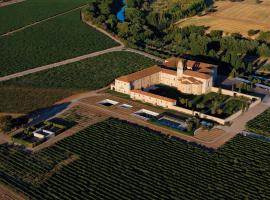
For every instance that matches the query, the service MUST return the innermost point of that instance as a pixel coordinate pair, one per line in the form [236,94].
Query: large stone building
[187,76]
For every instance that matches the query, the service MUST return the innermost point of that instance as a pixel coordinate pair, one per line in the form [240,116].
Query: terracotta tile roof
[171,72]
[171,62]
[196,74]
[190,64]
[199,65]
[205,70]
[153,95]
[206,65]
[140,74]
[190,80]
[193,80]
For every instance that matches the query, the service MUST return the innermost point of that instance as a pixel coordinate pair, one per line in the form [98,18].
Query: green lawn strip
[42,89]
[61,38]
[27,12]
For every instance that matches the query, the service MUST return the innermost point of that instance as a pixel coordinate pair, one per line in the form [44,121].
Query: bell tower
[180,69]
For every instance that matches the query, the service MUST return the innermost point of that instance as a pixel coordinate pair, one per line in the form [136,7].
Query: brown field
[233,17]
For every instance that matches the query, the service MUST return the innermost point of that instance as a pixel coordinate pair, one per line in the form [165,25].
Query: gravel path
[10,2]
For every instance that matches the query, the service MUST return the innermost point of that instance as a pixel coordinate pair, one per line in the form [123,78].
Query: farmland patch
[260,124]
[118,160]
[44,88]
[233,17]
[18,15]
[55,40]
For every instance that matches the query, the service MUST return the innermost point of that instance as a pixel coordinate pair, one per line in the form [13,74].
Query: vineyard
[29,169]
[42,89]
[117,160]
[88,74]
[52,41]
[260,124]
[31,11]
[23,99]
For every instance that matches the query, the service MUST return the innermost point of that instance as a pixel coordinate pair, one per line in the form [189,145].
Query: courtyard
[214,104]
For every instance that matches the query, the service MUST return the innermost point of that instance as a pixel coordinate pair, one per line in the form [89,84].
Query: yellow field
[234,17]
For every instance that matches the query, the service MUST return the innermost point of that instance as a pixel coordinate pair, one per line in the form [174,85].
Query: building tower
[180,69]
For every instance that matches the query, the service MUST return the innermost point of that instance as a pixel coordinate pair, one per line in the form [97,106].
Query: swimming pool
[172,124]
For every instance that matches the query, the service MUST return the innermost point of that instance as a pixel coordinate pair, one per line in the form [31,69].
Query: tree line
[156,32]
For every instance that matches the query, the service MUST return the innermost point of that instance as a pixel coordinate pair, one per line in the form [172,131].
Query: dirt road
[10,2]
[79,58]
[61,63]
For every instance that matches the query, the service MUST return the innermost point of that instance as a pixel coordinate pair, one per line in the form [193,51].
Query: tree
[105,7]
[5,123]
[200,106]
[233,73]
[252,32]
[249,68]
[182,101]
[133,14]
[190,125]
[111,22]
[216,34]
[237,35]
[131,3]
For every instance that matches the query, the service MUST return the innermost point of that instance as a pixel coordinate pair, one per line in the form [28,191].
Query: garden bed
[214,104]
[39,133]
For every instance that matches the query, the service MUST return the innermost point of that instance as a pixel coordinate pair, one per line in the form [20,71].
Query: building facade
[187,76]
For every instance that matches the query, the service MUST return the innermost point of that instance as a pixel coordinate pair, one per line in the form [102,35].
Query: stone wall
[233,93]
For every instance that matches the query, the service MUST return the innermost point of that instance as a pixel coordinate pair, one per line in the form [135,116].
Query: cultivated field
[260,124]
[232,17]
[55,40]
[18,15]
[44,88]
[117,160]
[25,99]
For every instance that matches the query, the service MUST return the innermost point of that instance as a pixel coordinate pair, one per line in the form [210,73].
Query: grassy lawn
[55,40]
[215,104]
[90,74]
[18,15]
[260,124]
[118,160]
